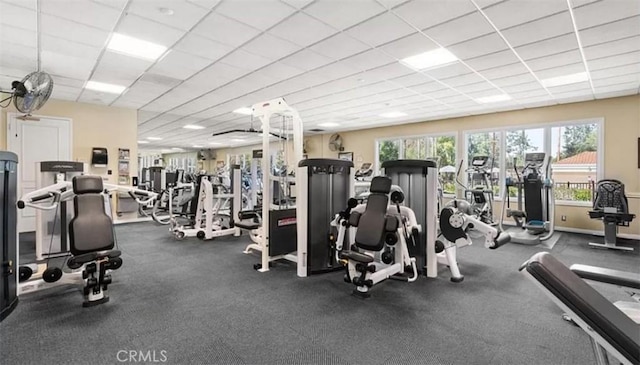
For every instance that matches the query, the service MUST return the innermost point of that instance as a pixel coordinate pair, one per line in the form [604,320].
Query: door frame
[13,119]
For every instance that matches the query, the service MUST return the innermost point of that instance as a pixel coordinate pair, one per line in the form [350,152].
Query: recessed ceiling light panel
[431,59]
[393,114]
[243,111]
[192,126]
[104,87]
[565,79]
[135,47]
[493,98]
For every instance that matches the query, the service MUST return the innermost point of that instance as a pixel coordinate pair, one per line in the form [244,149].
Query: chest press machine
[380,248]
[611,206]
[91,254]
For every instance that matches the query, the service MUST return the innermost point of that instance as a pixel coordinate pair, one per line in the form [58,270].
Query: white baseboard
[590,231]
[132,220]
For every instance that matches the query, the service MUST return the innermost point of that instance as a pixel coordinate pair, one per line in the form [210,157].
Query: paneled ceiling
[335,61]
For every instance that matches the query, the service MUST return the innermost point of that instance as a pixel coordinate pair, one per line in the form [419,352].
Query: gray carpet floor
[194,302]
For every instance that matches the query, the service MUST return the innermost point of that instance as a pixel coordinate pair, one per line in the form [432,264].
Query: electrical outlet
[563,218]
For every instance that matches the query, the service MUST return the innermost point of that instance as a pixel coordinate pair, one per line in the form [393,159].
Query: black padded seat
[245,225]
[620,331]
[76,262]
[91,229]
[609,276]
[372,222]
[360,257]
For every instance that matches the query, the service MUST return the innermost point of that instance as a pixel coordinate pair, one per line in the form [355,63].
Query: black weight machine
[610,205]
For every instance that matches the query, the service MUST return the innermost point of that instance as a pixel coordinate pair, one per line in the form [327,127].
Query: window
[574,152]
[439,148]
[573,148]
[487,144]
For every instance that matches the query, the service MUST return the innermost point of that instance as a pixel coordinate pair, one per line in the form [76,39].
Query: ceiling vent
[160,80]
[316,130]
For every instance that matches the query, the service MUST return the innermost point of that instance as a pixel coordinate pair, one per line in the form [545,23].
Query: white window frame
[599,121]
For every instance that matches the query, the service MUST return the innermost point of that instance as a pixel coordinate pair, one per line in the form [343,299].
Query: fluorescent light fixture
[104,87]
[191,126]
[329,125]
[143,142]
[176,148]
[214,143]
[566,79]
[197,146]
[243,111]
[435,58]
[237,140]
[493,98]
[135,47]
[154,138]
[393,114]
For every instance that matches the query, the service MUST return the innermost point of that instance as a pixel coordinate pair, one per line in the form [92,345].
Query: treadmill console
[534,158]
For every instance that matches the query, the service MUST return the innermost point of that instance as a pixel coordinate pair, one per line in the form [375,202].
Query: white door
[42,139]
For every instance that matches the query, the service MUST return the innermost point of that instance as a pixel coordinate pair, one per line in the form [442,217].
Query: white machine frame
[264,111]
[210,207]
[60,192]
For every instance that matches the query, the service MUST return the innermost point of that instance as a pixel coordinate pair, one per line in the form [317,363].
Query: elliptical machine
[535,221]
[480,195]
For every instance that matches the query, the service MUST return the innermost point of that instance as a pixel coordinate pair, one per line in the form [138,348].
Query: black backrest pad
[371,226]
[380,184]
[91,229]
[87,184]
[610,194]
[598,312]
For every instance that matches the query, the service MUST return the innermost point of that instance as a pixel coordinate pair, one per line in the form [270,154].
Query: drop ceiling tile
[122,65]
[492,60]
[612,48]
[185,15]
[615,71]
[548,47]
[334,71]
[424,14]
[245,60]
[514,80]
[179,65]
[258,80]
[560,71]
[603,12]
[257,13]
[470,78]
[143,92]
[95,97]
[116,4]
[306,60]
[484,93]
[280,71]
[444,93]
[515,12]
[22,37]
[614,61]
[611,91]
[427,87]
[610,32]
[67,66]
[539,30]
[63,46]
[65,92]
[148,30]
[368,60]
[520,88]
[485,45]
[350,12]
[579,3]
[224,30]
[504,71]
[298,4]
[73,31]
[85,12]
[120,103]
[389,71]
[302,30]
[17,56]
[410,45]
[17,16]
[456,99]
[339,46]
[478,86]
[623,79]
[535,92]
[381,29]
[460,30]
[455,69]
[270,47]
[571,87]
[412,79]
[560,59]
[202,47]
[65,81]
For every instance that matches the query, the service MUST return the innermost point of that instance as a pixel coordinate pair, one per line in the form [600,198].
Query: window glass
[487,144]
[388,150]
[574,152]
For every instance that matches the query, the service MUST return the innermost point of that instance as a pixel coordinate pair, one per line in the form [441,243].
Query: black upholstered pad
[609,276]
[91,229]
[360,257]
[87,184]
[247,225]
[77,261]
[600,314]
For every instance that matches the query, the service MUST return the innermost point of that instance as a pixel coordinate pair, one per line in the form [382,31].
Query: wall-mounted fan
[31,92]
[207,154]
[335,142]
